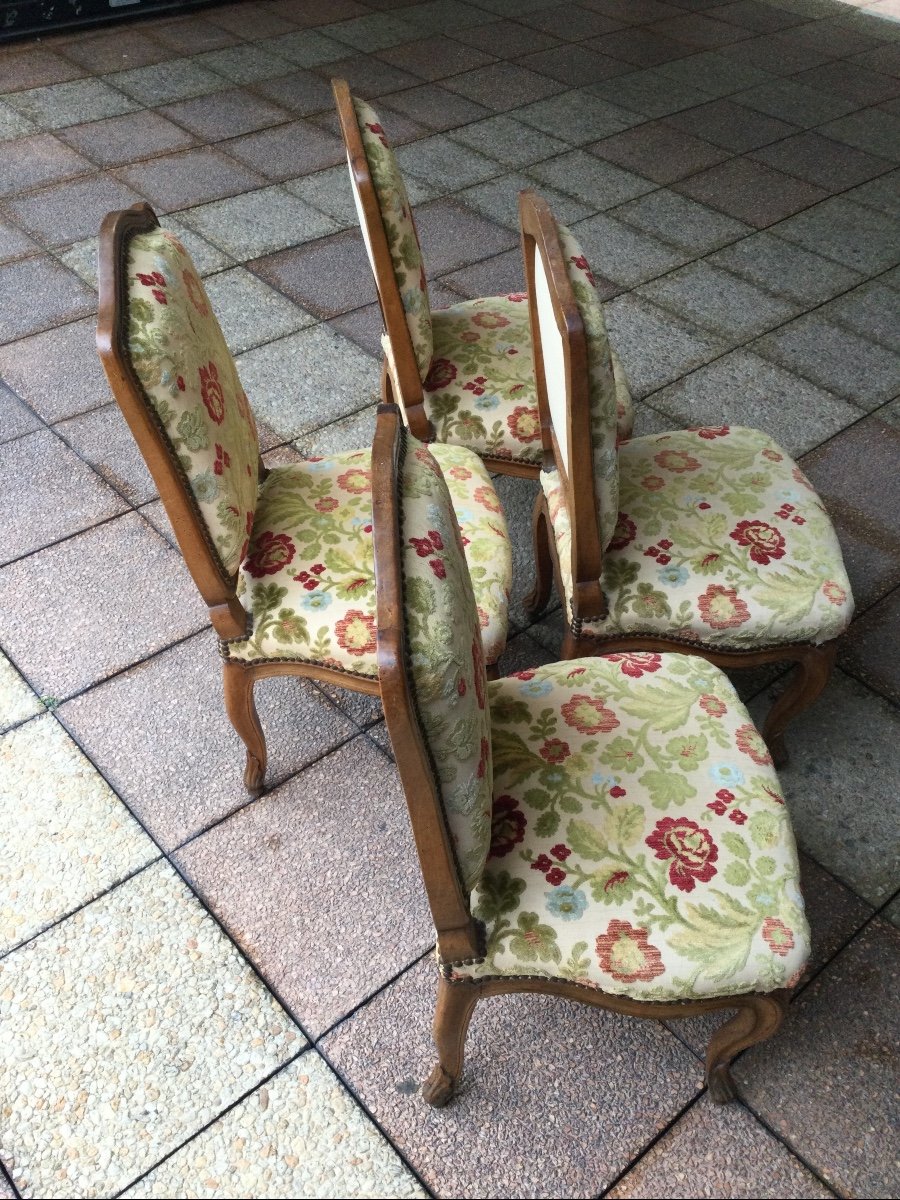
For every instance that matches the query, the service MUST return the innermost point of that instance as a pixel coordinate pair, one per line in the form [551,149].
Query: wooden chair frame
[459,934]
[215,584]
[813,662]
[401,382]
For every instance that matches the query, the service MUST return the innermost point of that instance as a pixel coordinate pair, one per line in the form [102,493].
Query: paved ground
[200,996]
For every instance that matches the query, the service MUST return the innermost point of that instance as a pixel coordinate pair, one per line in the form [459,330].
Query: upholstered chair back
[190,382]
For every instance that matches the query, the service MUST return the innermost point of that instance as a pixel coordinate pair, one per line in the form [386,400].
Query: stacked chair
[610,827]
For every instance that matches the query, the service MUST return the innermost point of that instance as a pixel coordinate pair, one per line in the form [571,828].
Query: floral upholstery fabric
[480,390]
[446,663]
[640,841]
[721,539]
[187,372]
[400,231]
[601,385]
[308,581]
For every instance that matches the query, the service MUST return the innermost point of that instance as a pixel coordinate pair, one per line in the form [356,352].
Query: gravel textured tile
[598,184]
[743,389]
[835,1058]
[164,83]
[506,39]
[47,493]
[574,66]
[718,300]
[190,177]
[300,92]
[68,212]
[572,21]
[36,67]
[141,978]
[372,32]
[508,141]
[793,102]
[193,35]
[16,418]
[577,116]
[833,357]
[365,926]
[71,103]
[32,161]
[438,157]
[434,57]
[641,47]
[657,151]
[242,64]
[364,327]
[498,199]
[731,125]
[870,650]
[287,150]
[655,346]
[525,1069]
[13,242]
[308,379]
[822,161]
[328,276]
[624,255]
[751,191]
[500,275]
[250,312]
[68,836]
[305,47]
[435,107]
[882,194]
[122,47]
[225,114]
[58,372]
[81,257]
[17,701]
[715,74]
[856,476]
[119,140]
[126,594]
[649,93]
[681,222]
[329,191]
[13,124]
[162,738]
[503,85]
[257,222]
[872,130]
[299,1134]
[850,234]
[370,76]
[746,1162]
[785,268]
[349,433]
[872,311]
[453,236]
[103,440]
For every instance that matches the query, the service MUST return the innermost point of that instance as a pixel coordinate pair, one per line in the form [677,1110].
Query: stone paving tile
[578,115]
[506,39]
[122,47]
[821,161]
[622,254]
[32,161]
[371,76]
[525,1069]
[508,141]
[870,651]
[57,372]
[730,125]
[120,140]
[125,593]
[850,234]
[743,389]
[349,433]
[267,23]
[835,1058]
[438,157]
[747,1162]
[517,497]
[751,191]
[301,92]
[641,47]
[793,102]
[373,32]
[498,199]
[500,275]
[699,29]
[142,975]
[68,837]
[16,418]
[287,150]
[250,312]
[785,269]
[13,242]
[299,1134]
[718,300]
[36,293]
[453,236]
[655,346]
[574,66]
[502,86]
[658,152]
[874,131]
[17,701]
[327,276]
[189,177]
[13,124]
[435,57]
[225,114]
[308,379]
[47,493]
[715,74]
[305,47]
[435,107]
[330,193]
[164,83]
[681,222]
[400,128]
[162,738]
[193,35]
[242,64]
[866,374]
[103,440]
[71,103]
[297,841]
[649,93]
[598,184]
[881,194]
[856,83]
[572,21]
[36,67]
[68,212]
[257,223]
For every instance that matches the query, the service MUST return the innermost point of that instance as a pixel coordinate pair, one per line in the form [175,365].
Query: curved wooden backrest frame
[215,584]
[403,367]
[540,238]
[458,934]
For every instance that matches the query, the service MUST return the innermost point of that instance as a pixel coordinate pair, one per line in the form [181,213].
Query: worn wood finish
[813,663]
[458,933]
[217,587]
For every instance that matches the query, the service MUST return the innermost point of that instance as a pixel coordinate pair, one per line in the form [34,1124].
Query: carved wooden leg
[757,1019]
[242,712]
[539,597]
[455,1002]
[809,678]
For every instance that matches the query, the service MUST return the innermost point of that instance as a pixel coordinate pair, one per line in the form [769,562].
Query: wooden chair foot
[455,1002]
[438,1088]
[721,1086]
[804,686]
[254,775]
[757,1018]
[241,710]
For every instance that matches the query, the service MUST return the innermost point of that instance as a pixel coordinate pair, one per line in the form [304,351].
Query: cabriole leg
[242,713]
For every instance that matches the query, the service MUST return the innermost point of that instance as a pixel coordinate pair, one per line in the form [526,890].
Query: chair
[282,557]
[709,541]
[462,375]
[608,830]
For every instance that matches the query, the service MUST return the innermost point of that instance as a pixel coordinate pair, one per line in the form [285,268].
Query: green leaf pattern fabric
[640,841]
[446,661]
[400,230]
[308,580]
[721,539]
[188,375]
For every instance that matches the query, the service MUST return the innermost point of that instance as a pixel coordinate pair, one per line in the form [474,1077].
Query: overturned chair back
[709,541]
[550,864]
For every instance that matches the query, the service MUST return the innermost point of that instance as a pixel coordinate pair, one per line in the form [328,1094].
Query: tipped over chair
[554,855]
[709,541]
[282,557]
[463,375]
